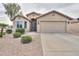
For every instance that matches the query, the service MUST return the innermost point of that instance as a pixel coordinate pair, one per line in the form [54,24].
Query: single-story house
[52,21]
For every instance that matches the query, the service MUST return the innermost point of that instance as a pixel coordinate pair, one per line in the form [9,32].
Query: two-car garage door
[53,26]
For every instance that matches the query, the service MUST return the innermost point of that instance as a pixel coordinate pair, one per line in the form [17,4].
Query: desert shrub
[16,34]
[26,39]
[9,31]
[22,31]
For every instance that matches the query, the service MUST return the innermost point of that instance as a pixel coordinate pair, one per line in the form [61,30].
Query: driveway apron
[60,44]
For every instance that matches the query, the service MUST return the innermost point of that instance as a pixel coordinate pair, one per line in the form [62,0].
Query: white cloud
[5,20]
[45,7]
[72,10]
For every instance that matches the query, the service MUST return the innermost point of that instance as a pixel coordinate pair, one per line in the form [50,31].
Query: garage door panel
[53,26]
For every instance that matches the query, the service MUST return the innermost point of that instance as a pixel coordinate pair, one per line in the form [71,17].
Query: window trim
[19,24]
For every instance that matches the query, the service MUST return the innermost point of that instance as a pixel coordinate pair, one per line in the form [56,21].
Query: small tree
[11,9]
[2,26]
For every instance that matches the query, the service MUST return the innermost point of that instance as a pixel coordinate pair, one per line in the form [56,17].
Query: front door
[33,25]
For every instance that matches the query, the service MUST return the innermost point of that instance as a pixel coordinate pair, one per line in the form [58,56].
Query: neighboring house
[52,21]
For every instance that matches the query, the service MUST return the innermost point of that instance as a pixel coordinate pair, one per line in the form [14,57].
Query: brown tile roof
[70,18]
[21,17]
[33,13]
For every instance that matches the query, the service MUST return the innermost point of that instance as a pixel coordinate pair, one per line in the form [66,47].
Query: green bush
[16,34]
[9,31]
[3,34]
[22,31]
[26,39]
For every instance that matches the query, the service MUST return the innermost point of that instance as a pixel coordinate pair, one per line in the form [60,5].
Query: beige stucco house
[52,21]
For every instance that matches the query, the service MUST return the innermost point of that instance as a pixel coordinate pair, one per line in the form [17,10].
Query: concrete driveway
[60,44]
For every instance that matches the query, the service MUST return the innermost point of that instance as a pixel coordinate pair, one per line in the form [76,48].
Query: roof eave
[56,12]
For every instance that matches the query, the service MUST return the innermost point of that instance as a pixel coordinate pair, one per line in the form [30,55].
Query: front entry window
[19,24]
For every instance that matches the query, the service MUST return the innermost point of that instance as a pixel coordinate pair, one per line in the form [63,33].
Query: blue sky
[70,9]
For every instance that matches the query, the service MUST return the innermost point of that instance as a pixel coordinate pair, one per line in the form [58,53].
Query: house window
[19,24]
[25,24]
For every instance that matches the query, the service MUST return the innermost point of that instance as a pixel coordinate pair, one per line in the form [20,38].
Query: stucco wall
[50,17]
[21,19]
[74,27]
[32,16]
